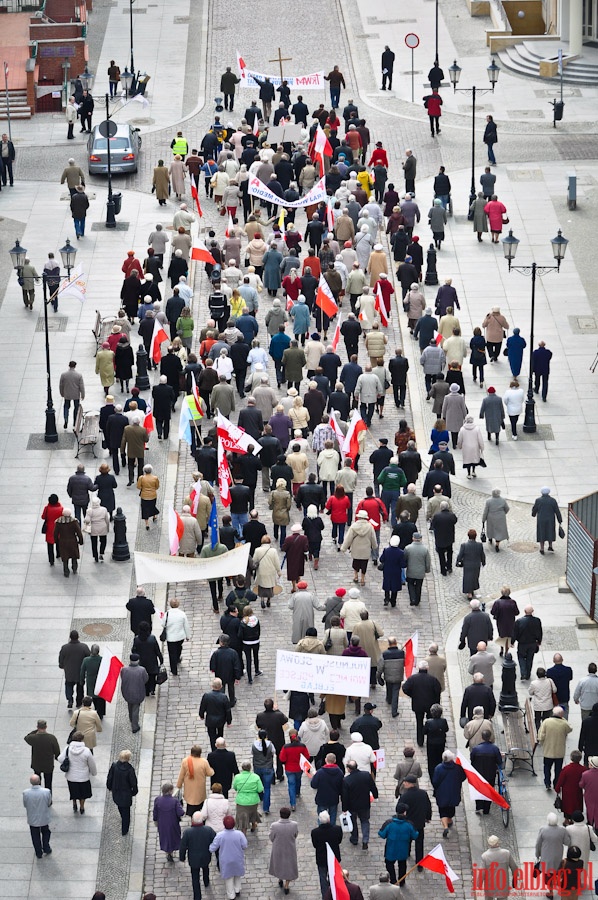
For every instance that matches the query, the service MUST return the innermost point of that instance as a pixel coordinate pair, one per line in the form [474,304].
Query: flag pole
[7,100]
[408,872]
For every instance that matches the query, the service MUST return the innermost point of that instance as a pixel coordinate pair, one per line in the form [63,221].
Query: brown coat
[87,721]
[280,504]
[376,265]
[344,229]
[68,535]
[194,787]
[366,632]
[134,438]
[161,182]
[494,323]
[148,485]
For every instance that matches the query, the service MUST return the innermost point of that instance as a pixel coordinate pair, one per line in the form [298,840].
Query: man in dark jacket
[238,353]
[410,462]
[69,660]
[330,363]
[141,609]
[253,531]
[339,403]
[425,329]
[251,420]
[79,207]
[424,691]
[228,82]
[173,310]
[113,435]
[133,679]
[356,790]
[476,627]
[391,670]
[223,762]
[388,62]
[309,494]
[315,403]
[445,456]
[398,367]
[225,665]
[562,676]
[325,835]
[435,476]
[442,187]
[206,458]
[379,460]
[281,470]
[300,110]
[419,811]
[368,726]
[351,331]
[230,625]
[251,112]
[196,841]
[328,784]
[250,464]
[486,758]
[171,366]
[44,750]
[478,694]
[271,450]
[528,636]
[164,399]
[78,487]
[272,720]
[266,95]
[215,709]
[443,526]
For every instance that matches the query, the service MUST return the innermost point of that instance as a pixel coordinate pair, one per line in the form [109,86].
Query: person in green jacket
[185,326]
[89,673]
[391,479]
[250,791]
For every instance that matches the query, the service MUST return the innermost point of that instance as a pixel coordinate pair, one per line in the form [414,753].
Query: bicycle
[503,790]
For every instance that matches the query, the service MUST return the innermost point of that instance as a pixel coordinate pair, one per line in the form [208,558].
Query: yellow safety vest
[180,147]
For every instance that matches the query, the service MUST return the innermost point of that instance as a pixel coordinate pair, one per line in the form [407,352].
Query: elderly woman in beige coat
[279,502]
[177,172]
[256,249]
[414,304]
[368,633]
[496,325]
[360,540]
[377,263]
[87,721]
[267,571]
[105,366]
[161,183]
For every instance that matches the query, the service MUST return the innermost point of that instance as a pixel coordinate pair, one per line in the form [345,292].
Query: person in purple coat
[168,813]
[230,845]
[281,426]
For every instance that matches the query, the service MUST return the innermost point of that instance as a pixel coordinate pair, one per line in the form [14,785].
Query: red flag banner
[380,305]
[338,888]
[148,422]
[224,477]
[195,195]
[411,647]
[435,861]
[351,442]
[158,338]
[479,788]
[108,674]
[325,299]
[175,531]
[337,333]
[200,252]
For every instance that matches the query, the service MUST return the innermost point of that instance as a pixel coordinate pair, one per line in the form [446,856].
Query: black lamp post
[455,73]
[131,34]
[86,79]
[108,129]
[559,248]
[68,254]
[126,80]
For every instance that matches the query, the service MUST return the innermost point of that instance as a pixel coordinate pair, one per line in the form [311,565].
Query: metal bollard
[120,548]
[571,190]
[431,273]
[142,380]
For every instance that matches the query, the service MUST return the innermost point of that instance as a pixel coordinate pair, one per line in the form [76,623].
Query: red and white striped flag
[338,888]
[148,422]
[256,126]
[306,766]
[333,422]
[194,497]
[198,401]
[158,337]
[233,438]
[195,195]
[436,861]
[224,476]
[229,227]
[411,647]
[200,252]
[325,299]
[175,531]
[479,788]
[380,305]
[351,442]
[329,217]
[337,333]
[107,679]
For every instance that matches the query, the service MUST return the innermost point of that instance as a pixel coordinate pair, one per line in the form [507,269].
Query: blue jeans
[239,519]
[389,499]
[267,776]
[364,817]
[335,97]
[294,785]
[67,406]
[331,810]
[491,157]
[444,199]
[79,226]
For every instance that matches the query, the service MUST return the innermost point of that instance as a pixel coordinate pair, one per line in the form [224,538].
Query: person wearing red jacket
[386,289]
[131,263]
[433,103]
[376,511]
[337,507]
[379,156]
[290,757]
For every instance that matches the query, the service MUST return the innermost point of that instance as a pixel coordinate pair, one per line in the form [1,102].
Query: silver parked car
[124,150]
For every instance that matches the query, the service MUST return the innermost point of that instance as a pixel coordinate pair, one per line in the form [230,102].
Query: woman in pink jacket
[495,210]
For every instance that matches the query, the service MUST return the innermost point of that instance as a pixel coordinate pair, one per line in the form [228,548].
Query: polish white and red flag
[333,422]
[200,252]
[229,227]
[411,647]
[175,531]
[351,442]
[306,766]
[436,861]
[194,498]
[479,788]
[233,438]
[148,422]
[338,888]
[337,333]
[224,476]
[325,299]
[329,217]
[107,679]
[195,195]
[380,306]
[158,338]
[320,146]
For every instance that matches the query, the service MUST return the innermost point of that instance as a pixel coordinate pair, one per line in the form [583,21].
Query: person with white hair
[195,844]
[547,513]
[97,524]
[553,737]
[499,865]
[447,780]
[549,846]
[192,538]
[424,691]
[133,445]
[224,365]
[323,836]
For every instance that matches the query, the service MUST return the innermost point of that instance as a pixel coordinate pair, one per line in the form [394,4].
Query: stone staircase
[19,109]
[524,59]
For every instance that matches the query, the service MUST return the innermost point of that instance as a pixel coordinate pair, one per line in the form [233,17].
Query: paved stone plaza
[185,46]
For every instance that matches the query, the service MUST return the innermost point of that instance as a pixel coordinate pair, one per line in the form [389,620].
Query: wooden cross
[280,59]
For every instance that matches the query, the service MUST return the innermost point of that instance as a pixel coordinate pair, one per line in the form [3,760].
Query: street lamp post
[126,79]
[455,73]
[68,254]
[559,248]
[131,34]
[86,79]
[108,129]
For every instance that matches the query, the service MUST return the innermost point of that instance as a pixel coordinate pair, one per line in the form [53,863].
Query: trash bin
[557,111]
[118,200]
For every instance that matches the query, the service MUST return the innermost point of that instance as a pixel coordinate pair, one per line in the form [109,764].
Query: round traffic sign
[412,40]
[107,128]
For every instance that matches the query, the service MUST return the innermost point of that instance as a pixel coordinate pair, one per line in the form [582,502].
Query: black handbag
[483,536]
[163,632]
[66,763]
[482,462]
[45,528]
[561,531]
[162,675]
[73,730]
[558,803]
[328,642]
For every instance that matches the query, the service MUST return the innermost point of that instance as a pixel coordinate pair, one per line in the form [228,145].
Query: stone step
[524,59]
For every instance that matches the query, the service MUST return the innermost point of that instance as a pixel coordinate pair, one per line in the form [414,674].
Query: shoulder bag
[483,532]
[162,675]
[163,632]
[328,642]
[66,763]
[73,730]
